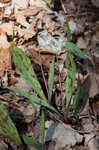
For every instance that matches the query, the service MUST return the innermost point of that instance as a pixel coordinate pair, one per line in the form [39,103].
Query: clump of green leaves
[25,69]
[23,64]
[71,67]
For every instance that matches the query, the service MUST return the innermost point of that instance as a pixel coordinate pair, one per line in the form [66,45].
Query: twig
[43,72]
[63,7]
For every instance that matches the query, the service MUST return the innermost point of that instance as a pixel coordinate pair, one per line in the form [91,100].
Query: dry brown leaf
[40,19]
[5,60]
[22,85]
[20,4]
[25,33]
[31,28]
[38,3]
[38,60]
[81,43]
[7,27]
[45,57]
[3,145]
[94,87]
[90,140]
[5,80]
[28,112]
[4,1]
[3,40]
[83,101]
[5,53]
[94,105]
[22,20]
[12,80]
[95,38]
[31,11]
[21,15]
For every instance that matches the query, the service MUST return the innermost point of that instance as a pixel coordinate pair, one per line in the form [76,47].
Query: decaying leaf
[3,145]
[94,87]
[20,4]
[26,33]
[5,53]
[38,3]
[21,19]
[3,40]
[38,18]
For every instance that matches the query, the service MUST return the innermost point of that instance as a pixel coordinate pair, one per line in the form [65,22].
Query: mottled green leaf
[7,127]
[68,31]
[42,129]
[77,95]
[35,99]
[51,80]
[24,66]
[75,50]
[70,65]
[69,91]
[31,142]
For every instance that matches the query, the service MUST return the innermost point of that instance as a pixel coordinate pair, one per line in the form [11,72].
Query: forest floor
[35,23]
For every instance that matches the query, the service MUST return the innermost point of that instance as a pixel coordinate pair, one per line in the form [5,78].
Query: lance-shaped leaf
[69,92]
[76,97]
[7,127]
[68,30]
[35,99]
[70,65]
[51,80]
[42,129]
[24,66]
[75,50]
[13,34]
[69,80]
[31,142]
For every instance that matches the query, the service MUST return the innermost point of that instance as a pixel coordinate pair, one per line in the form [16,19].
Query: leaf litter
[28,23]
